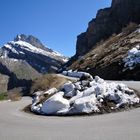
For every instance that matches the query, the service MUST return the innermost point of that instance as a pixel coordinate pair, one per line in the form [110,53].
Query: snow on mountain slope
[30,49]
[27,58]
[18,47]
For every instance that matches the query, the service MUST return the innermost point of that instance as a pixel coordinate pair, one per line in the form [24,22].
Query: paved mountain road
[18,125]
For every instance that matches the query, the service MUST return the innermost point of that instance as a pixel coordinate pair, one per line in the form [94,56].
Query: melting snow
[84,96]
[55,104]
[138,30]
[133,58]
[14,45]
[81,74]
[8,46]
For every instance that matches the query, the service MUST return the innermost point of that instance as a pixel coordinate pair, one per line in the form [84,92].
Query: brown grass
[48,81]
[15,94]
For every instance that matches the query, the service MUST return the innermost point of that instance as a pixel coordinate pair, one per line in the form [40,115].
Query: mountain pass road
[18,125]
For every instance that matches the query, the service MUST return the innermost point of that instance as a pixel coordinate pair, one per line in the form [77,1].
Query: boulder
[55,104]
[69,89]
[86,104]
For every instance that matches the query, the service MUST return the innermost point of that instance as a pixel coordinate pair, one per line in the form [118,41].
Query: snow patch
[15,45]
[55,104]
[80,74]
[138,30]
[8,46]
[51,91]
[86,96]
[132,58]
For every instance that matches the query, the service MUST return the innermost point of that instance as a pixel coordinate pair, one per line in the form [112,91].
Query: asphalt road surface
[18,125]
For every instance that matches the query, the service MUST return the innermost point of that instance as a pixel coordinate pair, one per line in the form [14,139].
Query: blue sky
[55,22]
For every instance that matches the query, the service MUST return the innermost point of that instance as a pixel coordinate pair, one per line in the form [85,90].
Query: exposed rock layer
[107,22]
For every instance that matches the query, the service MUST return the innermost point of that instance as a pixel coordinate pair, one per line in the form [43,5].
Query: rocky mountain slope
[116,58]
[105,46]
[26,58]
[108,21]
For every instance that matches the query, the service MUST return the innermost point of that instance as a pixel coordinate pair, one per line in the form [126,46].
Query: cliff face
[110,47]
[107,22]
[117,58]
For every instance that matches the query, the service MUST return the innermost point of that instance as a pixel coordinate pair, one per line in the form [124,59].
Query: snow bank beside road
[87,95]
[77,74]
[55,104]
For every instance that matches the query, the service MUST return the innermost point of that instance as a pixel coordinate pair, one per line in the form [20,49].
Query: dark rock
[106,58]
[101,49]
[107,22]
[32,40]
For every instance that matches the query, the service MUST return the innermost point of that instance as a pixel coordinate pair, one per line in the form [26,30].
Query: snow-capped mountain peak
[32,51]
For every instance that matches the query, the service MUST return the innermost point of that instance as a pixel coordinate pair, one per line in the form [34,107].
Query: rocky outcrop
[107,22]
[32,40]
